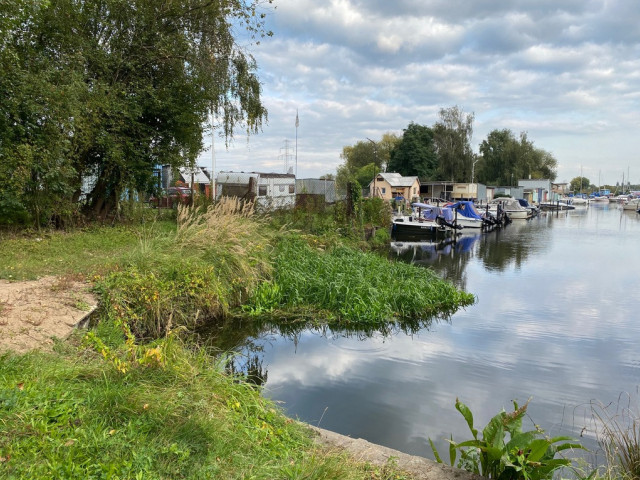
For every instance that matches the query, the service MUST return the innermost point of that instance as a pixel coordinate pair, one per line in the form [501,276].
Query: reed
[618,430]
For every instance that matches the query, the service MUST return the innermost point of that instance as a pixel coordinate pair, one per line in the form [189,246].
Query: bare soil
[34,313]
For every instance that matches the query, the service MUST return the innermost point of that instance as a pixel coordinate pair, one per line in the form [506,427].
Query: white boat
[579,201]
[510,206]
[633,204]
[532,208]
[468,216]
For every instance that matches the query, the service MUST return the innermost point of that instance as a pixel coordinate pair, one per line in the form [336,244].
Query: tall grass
[209,265]
[618,430]
[353,286]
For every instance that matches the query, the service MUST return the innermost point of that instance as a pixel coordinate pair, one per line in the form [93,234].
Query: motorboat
[557,205]
[467,215]
[578,200]
[425,220]
[532,208]
[510,206]
[632,204]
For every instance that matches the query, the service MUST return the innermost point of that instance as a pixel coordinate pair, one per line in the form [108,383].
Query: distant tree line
[101,91]
[443,152]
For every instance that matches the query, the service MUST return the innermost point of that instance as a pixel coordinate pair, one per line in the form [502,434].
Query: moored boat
[425,221]
[632,204]
[510,206]
[468,216]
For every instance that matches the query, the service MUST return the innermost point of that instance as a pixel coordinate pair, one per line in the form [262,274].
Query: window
[262,191]
[281,188]
[292,188]
[384,190]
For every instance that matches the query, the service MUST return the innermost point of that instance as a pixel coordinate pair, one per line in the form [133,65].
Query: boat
[532,208]
[558,205]
[632,204]
[425,221]
[578,200]
[510,206]
[468,216]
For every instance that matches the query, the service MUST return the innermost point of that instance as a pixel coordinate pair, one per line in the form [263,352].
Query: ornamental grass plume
[229,236]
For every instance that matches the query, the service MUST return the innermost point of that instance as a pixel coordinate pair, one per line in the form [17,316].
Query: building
[476,192]
[198,178]
[270,191]
[536,191]
[388,185]
[326,189]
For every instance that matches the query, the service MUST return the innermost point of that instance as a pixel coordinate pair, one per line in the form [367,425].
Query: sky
[566,72]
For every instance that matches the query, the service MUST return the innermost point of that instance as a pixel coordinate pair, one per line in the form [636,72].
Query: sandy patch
[33,313]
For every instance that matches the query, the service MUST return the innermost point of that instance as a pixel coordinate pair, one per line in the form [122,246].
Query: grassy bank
[132,399]
[72,415]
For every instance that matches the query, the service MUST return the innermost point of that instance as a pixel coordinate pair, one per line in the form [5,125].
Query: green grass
[71,415]
[135,402]
[84,252]
[352,287]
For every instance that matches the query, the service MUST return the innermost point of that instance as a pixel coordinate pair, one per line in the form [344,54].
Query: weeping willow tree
[107,89]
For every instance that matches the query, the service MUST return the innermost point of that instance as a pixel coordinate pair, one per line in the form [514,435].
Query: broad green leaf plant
[521,455]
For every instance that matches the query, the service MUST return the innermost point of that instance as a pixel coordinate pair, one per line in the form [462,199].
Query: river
[555,321]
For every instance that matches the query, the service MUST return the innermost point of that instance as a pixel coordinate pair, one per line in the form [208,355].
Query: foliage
[579,184]
[520,455]
[103,91]
[364,158]
[452,136]
[211,264]
[506,159]
[352,287]
[415,154]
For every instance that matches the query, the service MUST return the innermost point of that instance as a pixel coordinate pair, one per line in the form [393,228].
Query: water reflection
[555,320]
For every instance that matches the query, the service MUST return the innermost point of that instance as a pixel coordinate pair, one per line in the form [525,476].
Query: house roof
[198,175]
[397,180]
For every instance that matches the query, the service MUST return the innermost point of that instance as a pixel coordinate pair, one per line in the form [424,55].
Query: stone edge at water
[421,468]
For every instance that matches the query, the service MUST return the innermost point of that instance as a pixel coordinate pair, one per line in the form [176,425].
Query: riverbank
[134,397]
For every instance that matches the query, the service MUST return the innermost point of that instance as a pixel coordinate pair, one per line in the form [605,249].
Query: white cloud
[568,73]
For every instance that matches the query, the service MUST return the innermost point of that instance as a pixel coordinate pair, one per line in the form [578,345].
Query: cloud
[566,72]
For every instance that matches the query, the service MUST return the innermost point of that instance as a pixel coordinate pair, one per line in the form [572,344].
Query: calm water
[556,319]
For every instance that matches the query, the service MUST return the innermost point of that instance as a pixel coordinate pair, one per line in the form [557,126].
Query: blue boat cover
[466,209]
[430,212]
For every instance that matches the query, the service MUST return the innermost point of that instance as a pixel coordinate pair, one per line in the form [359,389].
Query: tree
[506,159]
[580,184]
[358,159]
[135,82]
[415,154]
[452,137]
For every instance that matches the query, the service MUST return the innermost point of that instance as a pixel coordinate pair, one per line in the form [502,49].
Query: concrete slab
[421,468]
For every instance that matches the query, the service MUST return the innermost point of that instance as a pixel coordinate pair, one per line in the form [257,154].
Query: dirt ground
[33,313]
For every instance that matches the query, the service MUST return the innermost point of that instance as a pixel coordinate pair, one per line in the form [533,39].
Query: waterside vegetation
[134,397]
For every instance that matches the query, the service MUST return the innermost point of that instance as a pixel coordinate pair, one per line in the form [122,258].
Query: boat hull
[418,229]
